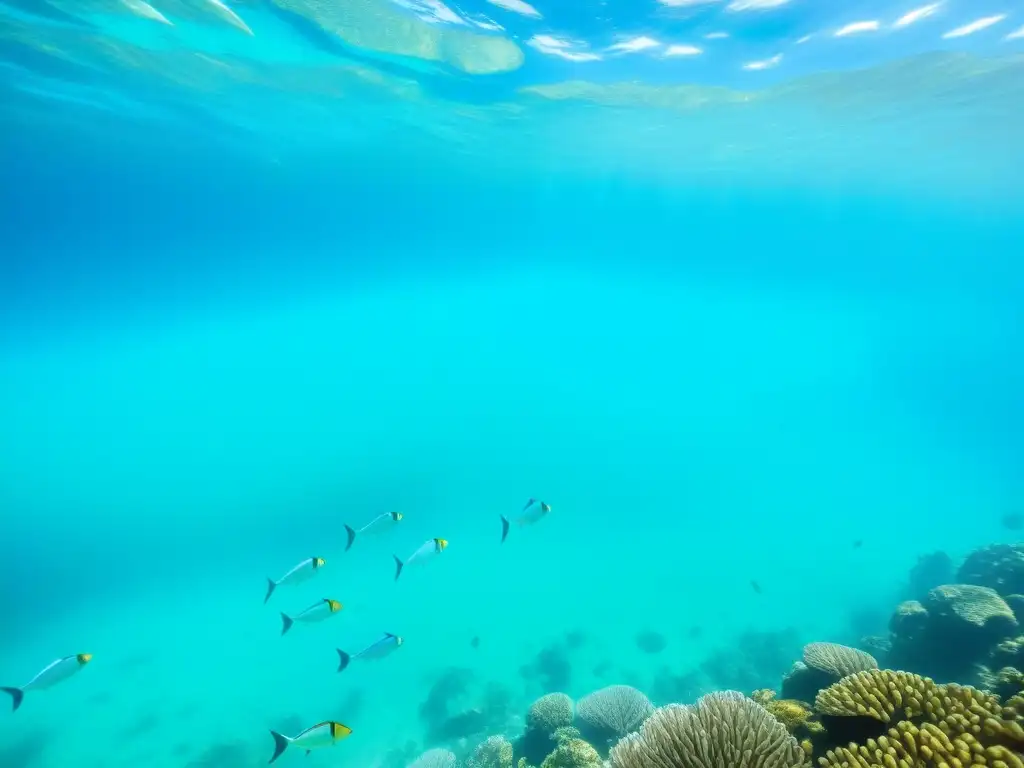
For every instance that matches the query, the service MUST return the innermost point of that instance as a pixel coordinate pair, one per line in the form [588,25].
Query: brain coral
[722,730]
[616,710]
[550,712]
[838,660]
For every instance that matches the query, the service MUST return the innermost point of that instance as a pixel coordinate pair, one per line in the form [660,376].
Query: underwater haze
[716,305]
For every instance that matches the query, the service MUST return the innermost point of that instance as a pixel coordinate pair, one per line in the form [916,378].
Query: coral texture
[550,712]
[839,660]
[613,711]
[573,753]
[933,726]
[722,730]
[495,752]
[1000,567]
[435,758]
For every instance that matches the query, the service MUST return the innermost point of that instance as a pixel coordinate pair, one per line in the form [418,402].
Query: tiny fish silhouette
[1013,521]
[756,587]
[475,642]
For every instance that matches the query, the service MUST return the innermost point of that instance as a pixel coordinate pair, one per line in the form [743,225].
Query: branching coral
[836,659]
[722,730]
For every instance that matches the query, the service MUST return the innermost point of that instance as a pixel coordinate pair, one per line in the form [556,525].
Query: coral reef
[837,660]
[550,712]
[495,752]
[545,717]
[999,567]
[446,713]
[798,718]
[610,713]
[573,753]
[722,730]
[952,633]
[435,758]
[909,721]
[822,665]
[930,571]
[862,716]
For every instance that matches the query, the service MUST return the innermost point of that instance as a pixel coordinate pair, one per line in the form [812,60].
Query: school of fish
[327,733]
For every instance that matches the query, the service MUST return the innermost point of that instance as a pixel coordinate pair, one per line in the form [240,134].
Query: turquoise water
[757,342]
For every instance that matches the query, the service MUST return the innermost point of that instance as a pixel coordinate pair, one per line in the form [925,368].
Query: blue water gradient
[255,288]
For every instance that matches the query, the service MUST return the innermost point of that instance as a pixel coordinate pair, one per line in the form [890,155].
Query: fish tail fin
[343,659]
[286,623]
[399,565]
[16,695]
[271,586]
[504,528]
[280,745]
[350,531]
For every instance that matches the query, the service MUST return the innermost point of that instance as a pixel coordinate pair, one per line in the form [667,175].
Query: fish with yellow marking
[318,611]
[55,672]
[378,650]
[325,734]
[428,550]
[532,512]
[379,524]
[304,571]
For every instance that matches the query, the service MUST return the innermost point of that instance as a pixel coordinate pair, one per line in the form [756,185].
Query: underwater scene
[511,384]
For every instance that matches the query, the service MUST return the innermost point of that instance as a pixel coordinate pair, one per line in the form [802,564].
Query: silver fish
[532,512]
[380,523]
[304,571]
[318,611]
[377,650]
[428,550]
[325,734]
[55,672]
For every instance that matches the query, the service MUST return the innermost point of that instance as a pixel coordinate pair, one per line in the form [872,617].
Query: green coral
[565,733]
[549,713]
[495,752]
[573,753]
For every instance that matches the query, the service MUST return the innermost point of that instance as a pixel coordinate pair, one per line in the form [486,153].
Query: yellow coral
[573,753]
[908,746]
[790,712]
[962,725]
[879,694]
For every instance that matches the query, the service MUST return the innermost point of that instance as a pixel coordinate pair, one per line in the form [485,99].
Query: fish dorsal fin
[313,728]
